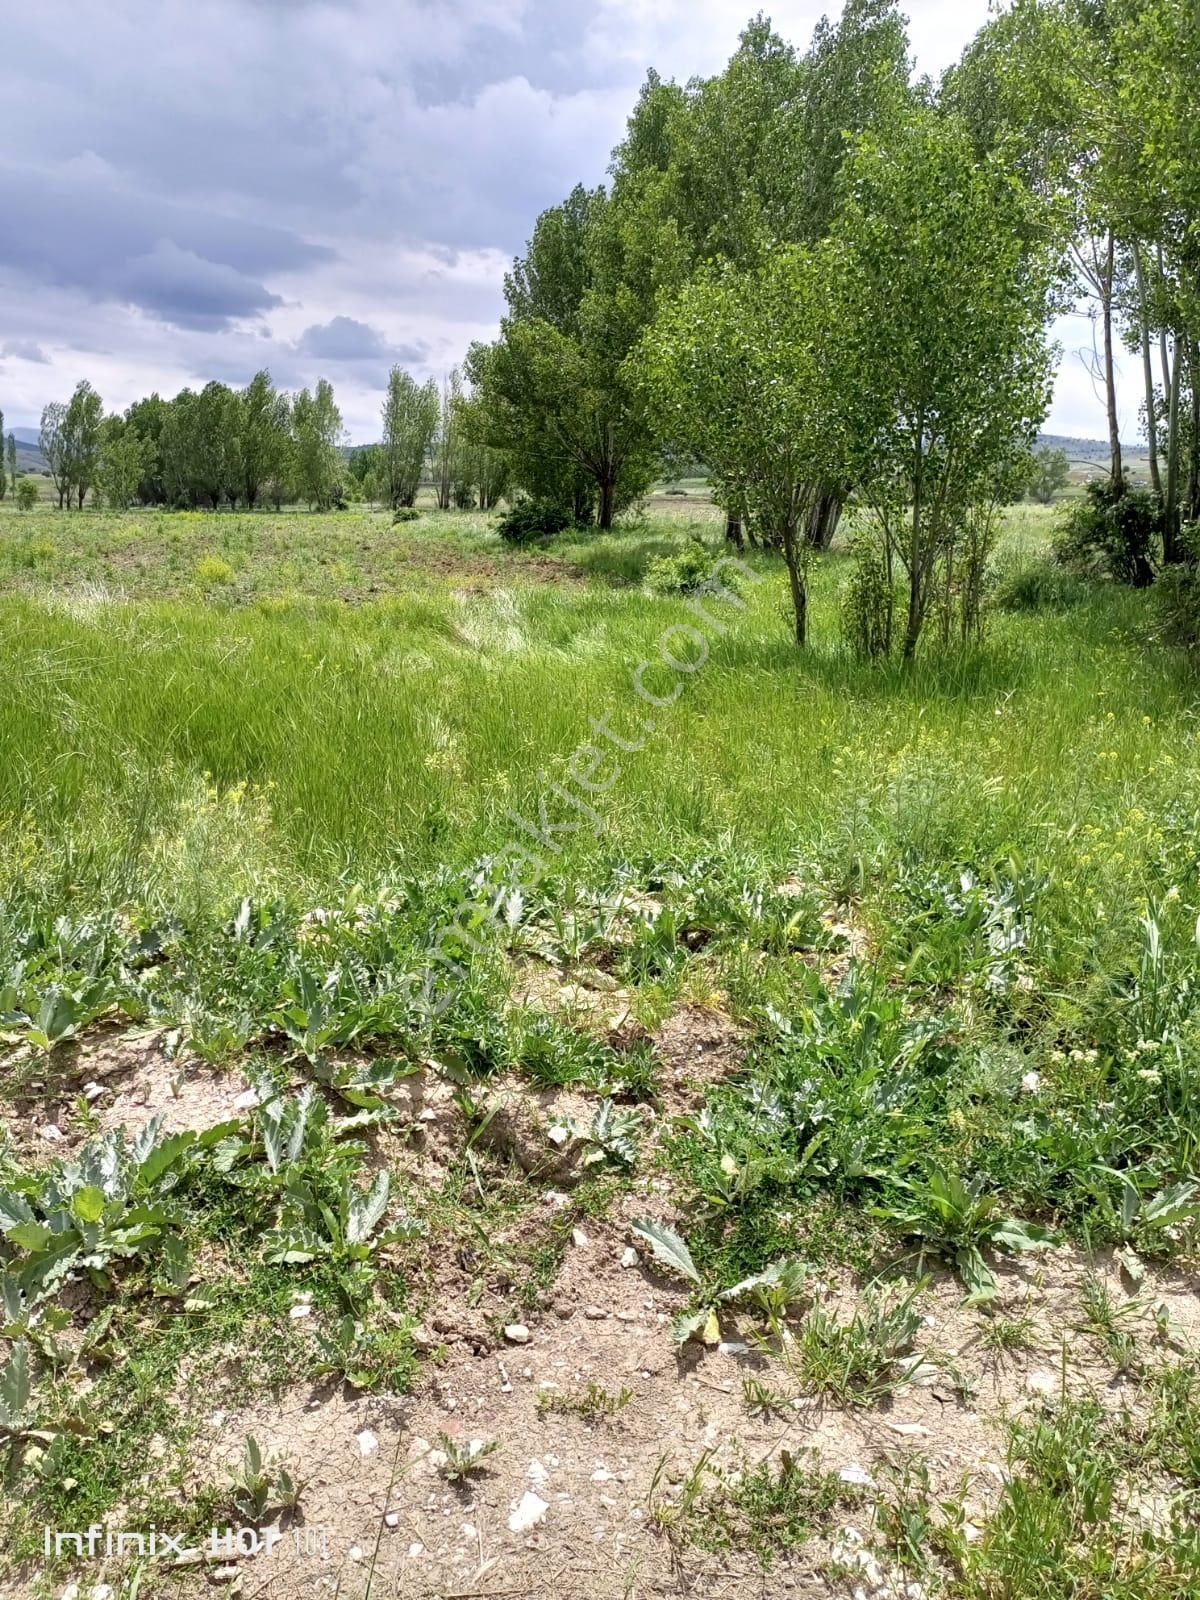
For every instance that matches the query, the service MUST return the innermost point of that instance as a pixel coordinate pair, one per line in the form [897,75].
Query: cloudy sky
[195,189]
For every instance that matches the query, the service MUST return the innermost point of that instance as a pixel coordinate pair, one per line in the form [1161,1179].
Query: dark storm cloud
[25,350]
[81,229]
[343,339]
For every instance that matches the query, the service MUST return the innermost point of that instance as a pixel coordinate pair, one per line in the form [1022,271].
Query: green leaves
[365,1212]
[667,1248]
[16,1388]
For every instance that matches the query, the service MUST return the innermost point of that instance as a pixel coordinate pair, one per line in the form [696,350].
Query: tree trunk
[798,584]
[824,518]
[1193,498]
[1171,548]
[608,500]
[1148,371]
[1110,374]
[733,531]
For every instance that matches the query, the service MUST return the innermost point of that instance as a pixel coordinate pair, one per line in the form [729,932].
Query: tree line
[828,279]
[220,446]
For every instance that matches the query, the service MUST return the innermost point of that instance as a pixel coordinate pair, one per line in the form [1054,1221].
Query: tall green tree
[741,371]
[316,438]
[119,472]
[84,416]
[262,437]
[410,419]
[555,386]
[52,441]
[12,462]
[946,276]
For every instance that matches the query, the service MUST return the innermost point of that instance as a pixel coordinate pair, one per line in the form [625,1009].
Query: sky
[195,189]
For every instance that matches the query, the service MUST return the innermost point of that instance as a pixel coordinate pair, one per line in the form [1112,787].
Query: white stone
[51,1132]
[246,1101]
[602,1475]
[579,1239]
[1031,1082]
[530,1510]
[910,1430]
[356,1552]
[368,1444]
[93,1091]
[391,1519]
[857,1475]
[538,1476]
[300,1309]
[629,1257]
[103,1591]
[517,1333]
[415,1549]
[71,1592]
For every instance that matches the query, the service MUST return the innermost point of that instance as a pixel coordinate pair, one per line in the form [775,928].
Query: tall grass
[195,748]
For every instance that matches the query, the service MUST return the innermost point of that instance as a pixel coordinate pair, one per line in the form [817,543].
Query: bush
[1040,584]
[684,571]
[211,570]
[405,514]
[1177,596]
[532,519]
[868,600]
[1112,531]
[27,494]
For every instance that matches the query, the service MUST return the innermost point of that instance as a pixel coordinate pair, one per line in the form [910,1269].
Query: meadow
[906,968]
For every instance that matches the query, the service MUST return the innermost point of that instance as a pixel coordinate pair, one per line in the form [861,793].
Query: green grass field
[257,773]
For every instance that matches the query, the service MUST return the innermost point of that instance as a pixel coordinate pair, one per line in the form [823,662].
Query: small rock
[93,1091]
[217,1419]
[910,1430]
[415,1549]
[51,1131]
[105,1591]
[857,1475]
[579,1239]
[629,1257]
[356,1552]
[368,1444]
[71,1592]
[529,1511]
[595,1313]
[391,1519]
[517,1333]
[1046,1383]
[1031,1082]
[300,1309]
[246,1101]
[602,1475]
[538,1476]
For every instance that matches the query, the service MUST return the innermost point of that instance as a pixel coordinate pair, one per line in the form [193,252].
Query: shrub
[868,600]
[27,494]
[1177,596]
[532,519]
[212,570]
[1112,531]
[405,514]
[684,571]
[1041,584]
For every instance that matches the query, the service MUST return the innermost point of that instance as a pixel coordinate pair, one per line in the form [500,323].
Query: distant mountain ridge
[1084,449]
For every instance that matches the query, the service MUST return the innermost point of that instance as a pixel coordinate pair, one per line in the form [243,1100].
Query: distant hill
[1085,449]
[29,456]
